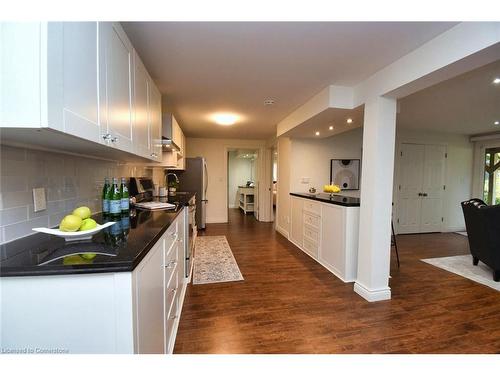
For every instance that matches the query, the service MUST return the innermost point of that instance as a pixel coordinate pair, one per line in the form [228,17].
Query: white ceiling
[202,68]
[467,104]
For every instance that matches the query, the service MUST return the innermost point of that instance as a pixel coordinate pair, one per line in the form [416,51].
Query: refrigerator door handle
[206,178]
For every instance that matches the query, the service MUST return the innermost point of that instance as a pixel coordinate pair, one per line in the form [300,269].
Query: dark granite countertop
[119,247]
[337,199]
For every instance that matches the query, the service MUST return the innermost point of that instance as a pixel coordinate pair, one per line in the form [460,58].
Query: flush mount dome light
[496,123]
[496,81]
[269,102]
[225,119]
[317,133]
[349,120]
[330,128]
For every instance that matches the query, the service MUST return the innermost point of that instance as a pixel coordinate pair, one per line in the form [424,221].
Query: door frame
[397,175]
[262,213]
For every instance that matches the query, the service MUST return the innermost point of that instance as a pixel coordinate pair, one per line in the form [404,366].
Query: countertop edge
[322,200]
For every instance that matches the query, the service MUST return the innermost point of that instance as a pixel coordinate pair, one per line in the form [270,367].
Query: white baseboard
[454,229]
[372,295]
[282,231]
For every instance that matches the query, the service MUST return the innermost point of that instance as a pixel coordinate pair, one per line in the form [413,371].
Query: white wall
[458,177]
[214,150]
[311,158]
[240,171]
[283,191]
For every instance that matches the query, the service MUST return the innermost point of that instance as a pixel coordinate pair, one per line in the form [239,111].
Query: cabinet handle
[420,194]
[424,194]
[106,137]
[171,264]
[173,317]
[173,290]
[114,139]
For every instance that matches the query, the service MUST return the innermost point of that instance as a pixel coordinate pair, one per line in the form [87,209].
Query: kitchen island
[126,299]
[326,228]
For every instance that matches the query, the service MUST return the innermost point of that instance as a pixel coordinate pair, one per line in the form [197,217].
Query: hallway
[288,303]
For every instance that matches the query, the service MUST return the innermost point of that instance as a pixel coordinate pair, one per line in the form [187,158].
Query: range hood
[167,141]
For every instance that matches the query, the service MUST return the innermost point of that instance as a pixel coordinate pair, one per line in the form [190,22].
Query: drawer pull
[171,264]
[173,290]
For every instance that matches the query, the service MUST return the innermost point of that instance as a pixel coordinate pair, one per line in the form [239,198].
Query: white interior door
[433,188]
[421,188]
[411,170]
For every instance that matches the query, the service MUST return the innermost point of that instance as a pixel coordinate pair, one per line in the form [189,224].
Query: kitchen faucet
[172,174]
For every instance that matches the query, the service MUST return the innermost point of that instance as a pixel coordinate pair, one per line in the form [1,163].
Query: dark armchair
[483,231]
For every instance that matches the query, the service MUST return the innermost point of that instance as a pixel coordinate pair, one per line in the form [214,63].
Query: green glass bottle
[125,203]
[105,196]
[115,199]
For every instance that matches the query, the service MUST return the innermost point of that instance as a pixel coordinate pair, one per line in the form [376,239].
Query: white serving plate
[75,236]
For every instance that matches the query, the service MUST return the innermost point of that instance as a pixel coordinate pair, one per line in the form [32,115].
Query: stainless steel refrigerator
[195,178]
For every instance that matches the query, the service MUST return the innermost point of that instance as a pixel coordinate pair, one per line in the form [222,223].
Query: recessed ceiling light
[225,119]
[330,128]
[269,102]
[349,120]
[317,133]
[496,123]
[496,81]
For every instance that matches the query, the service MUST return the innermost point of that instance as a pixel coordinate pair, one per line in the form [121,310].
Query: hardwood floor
[290,304]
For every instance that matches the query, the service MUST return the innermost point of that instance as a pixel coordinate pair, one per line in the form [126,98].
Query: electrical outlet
[39,201]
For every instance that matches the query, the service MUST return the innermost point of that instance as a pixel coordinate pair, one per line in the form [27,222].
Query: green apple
[88,224]
[70,223]
[72,260]
[83,212]
[88,256]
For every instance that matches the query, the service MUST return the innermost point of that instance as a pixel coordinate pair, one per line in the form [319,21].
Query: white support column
[379,135]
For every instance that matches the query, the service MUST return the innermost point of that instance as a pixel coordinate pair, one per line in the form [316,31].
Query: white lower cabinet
[328,233]
[110,312]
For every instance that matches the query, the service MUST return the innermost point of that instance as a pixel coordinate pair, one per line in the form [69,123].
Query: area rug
[462,265]
[214,261]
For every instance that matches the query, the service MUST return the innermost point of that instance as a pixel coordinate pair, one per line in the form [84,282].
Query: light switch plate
[39,201]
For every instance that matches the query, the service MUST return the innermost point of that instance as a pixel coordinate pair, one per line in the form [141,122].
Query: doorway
[242,179]
[421,188]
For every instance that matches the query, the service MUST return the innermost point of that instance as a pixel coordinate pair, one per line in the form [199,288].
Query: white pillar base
[372,295]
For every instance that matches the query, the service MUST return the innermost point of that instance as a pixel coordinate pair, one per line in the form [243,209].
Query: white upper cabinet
[80,59]
[116,68]
[80,79]
[141,134]
[155,122]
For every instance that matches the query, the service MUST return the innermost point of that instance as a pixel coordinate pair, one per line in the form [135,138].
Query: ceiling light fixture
[496,123]
[349,120]
[330,128]
[496,81]
[225,119]
[269,102]
[317,133]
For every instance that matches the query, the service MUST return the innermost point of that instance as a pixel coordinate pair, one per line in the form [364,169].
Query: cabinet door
[141,131]
[81,80]
[149,289]
[297,225]
[332,249]
[116,75]
[155,122]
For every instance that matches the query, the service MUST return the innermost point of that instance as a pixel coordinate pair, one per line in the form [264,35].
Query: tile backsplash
[69,181]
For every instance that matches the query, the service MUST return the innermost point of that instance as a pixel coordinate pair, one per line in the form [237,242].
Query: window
[491,191]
